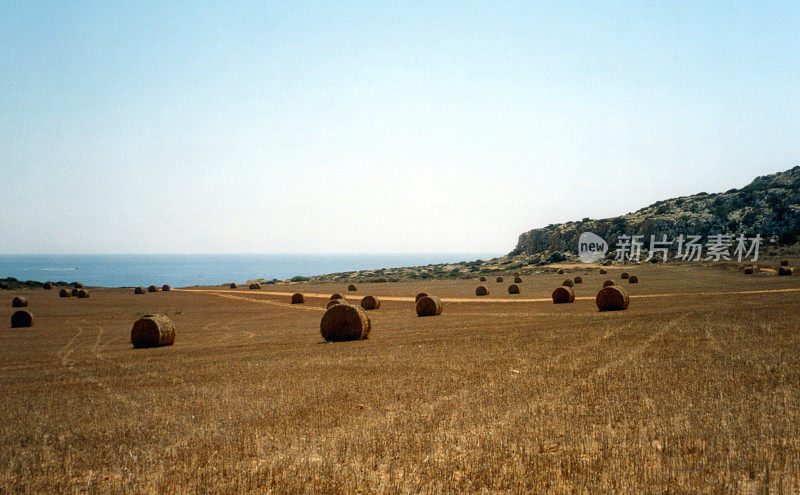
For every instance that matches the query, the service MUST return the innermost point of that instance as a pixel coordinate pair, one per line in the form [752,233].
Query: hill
[770,206]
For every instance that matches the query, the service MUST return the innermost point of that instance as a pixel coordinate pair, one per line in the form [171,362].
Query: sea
[184,270]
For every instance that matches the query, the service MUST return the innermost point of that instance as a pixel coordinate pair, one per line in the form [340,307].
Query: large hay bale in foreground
[517,279]
[298,298]
[563,295]
[343,322]
[138,290]
[567,283]
[429,306]
[482,279]
[578,280]
[609,283]
[560,271]
[21,319]
[633,279]
[166,288]
[603,271]
[83,294]
[784,262]
[152,288]
[255,286]
[334,302]
[352,288]
[337,296]
[479,291]
[624,275]
[47,286]
[420,296]
[784,271]
[612,298]
[75,291]
[64,293]
[370,302]
[19,302]
[513,289]
[233,285]
[152,331]
[499,279]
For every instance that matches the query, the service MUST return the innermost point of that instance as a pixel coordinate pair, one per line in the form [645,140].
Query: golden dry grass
[685,391]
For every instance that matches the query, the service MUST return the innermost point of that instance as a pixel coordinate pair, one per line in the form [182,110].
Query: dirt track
[231,293]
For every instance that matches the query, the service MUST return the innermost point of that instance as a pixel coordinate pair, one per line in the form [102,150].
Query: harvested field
[502,393]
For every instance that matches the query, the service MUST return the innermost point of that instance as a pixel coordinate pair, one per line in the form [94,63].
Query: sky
[369,127]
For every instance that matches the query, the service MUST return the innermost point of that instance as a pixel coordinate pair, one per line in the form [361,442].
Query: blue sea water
[181,270]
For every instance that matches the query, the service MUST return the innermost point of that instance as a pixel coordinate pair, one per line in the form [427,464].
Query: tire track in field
[448,441]
[85,375]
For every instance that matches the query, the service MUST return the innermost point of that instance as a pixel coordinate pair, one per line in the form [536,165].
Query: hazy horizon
[355,128]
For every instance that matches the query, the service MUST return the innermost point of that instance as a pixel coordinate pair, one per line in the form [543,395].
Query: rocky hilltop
[770,206]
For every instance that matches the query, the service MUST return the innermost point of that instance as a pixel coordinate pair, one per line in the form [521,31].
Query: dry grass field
[695,388]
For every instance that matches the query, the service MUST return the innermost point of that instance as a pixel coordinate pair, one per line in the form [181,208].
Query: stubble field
[696,387]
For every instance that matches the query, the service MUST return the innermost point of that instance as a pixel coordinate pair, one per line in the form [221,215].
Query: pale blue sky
[358,127]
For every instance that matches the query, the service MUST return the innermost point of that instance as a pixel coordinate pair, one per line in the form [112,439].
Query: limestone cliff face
[769,206]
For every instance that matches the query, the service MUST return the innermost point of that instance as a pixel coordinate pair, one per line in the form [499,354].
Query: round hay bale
[567,283]
[612,298]
[499,279]
[603,271]
[578,280]
[343,322]
[429,306]
[479,291]
[152,331]
[748,270]
[75,291]
[77,285]
[233,285]
[370,303]
[560,271]
[21,319]
[47,286]
[784,262]
[83,294]
[337,296]
[482,279]
[138,290]
[64,293]
[152,288]
[351,288]
[608,283]
[633,279]
[517,279]
[334,302]
[297,298]
[563,295]
[784,271]
[624,275]
[420,296]
[255,286]
[166,288]
[513,289]
[19,302]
